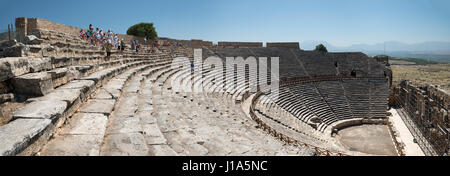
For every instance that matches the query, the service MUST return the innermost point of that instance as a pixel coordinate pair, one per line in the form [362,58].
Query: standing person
[108,49]
[137,46]
[116,42]
[90,33]
[97,36]
[101,34]
[81,33]
[110,35]
[145,40]
[122,46]
[133,46]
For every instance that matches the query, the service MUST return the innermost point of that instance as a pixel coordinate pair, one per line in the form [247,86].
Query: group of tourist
[135,45]
[100,38]
[109,41]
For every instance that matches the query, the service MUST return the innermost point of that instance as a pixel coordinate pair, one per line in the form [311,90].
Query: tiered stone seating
[334,94]
[200,107]
[59,84]
[89,105]
[116,103]
[52,43]
[45,114]
[357,92]
[379,95]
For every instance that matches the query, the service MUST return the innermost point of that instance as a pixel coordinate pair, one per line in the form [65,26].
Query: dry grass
[401,62]
[437,74]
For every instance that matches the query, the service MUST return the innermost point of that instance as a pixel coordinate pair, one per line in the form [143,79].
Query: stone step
[126,134]
[85,132]
[56,108]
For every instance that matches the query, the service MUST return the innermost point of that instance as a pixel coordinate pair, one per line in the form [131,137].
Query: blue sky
[339,22]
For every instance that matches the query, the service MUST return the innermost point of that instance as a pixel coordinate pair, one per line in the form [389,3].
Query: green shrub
[143,30]
[321,48]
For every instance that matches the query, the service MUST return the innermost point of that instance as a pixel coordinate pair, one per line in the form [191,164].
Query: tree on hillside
[321,48]
[143,30]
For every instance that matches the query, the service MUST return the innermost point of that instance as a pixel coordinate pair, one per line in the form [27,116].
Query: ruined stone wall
[207,43]
[284,45]
[25,26]
[428,107]
[240,44]
[196,43]
[199,43]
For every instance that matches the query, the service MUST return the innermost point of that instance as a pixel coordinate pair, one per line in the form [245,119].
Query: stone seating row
[334,95]
[35,123]
[102,109]
[357,92]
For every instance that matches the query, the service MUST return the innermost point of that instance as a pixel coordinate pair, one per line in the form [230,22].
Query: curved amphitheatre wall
[297,66]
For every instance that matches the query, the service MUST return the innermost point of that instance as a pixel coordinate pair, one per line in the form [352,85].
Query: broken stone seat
[16,66]
[49,51]
[52,36]
[41,83]
[35,123]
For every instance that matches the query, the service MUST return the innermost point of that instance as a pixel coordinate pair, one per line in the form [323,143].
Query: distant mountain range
[437,51]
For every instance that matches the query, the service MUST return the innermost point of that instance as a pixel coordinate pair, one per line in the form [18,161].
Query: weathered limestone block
[68,95]
[73,73]
[33,40]
[17,50]
[115,93]
[37,84]
[19,134]
[58,62]
[135,145]
[41,110]
[153,135]
[98,106]
[40,50]
[86,86]
[74,145]
[82,70]
[39,64]
[59,76]
[101,77]
[103,94]
[13,66]
[86,124]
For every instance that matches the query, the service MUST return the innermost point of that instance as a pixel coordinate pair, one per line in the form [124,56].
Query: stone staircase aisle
[84,132]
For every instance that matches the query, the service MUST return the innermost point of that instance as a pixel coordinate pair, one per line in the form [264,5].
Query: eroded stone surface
[33,84]
[68,95]
[16,135]
[86,124]
[74,145]
[125,144]
[13,66]
[85,85]
[41,110]
[125,125]
[98,106]
[103,94]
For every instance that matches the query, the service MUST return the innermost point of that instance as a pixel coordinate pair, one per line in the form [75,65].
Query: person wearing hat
[108,49]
